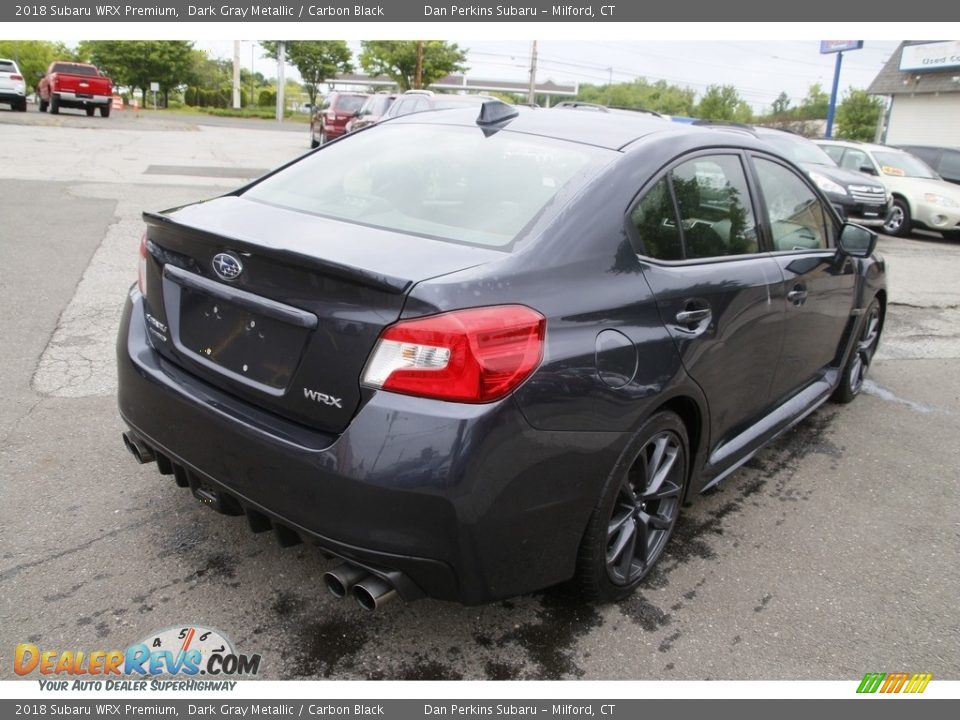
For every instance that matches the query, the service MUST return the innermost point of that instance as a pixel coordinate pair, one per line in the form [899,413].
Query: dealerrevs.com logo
[189,651]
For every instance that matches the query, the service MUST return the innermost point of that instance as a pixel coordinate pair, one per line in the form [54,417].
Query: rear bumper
[466,502]
[68,98]
[12,95]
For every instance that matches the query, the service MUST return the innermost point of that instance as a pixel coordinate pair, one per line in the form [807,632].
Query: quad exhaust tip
[373,593]
[340,580]
[138,448]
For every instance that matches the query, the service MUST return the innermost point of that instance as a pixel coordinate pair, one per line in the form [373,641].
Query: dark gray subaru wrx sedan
[477,355]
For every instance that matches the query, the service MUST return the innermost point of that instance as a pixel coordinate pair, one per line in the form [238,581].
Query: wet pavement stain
[643,612]
[423,669]
[562,618]
[182,540]
[667,643]
[286,604]
[328,647]
[497,670]
[763,602]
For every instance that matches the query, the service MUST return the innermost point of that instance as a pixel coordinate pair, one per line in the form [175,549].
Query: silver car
[921,198]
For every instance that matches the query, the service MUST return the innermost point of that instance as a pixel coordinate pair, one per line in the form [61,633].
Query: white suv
[921,198]
[13,89]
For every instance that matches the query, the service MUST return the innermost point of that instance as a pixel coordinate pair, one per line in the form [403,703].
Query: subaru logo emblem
[227,267]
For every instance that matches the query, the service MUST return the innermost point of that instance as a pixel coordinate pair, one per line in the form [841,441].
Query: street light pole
[281,80]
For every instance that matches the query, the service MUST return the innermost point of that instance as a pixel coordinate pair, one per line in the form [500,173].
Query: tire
[54,104]
[44,105]
[90,110]
[105,111]
[22,105]
[898,221]
[857,367]
[613,559]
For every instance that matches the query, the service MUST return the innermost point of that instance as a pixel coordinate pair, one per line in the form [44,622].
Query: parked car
[921,198]
[944,160]
[330,120]
[861,200]
[75,85]
[474,354]
[371,111]
[13,89]
[414,101]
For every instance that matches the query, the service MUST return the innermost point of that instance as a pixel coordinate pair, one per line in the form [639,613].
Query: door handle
[797,295]
[690,317]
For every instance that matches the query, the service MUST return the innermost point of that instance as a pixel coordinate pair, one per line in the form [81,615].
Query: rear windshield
[350,103]
[446,182]
[75,69]
[7,67]
[903,165]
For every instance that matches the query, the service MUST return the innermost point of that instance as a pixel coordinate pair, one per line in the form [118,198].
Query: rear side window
[447,182]
[797,219]
[715,211]
[656,224]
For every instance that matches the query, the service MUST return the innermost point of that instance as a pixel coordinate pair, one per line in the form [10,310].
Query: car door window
[656,224]
[715,212]
[797,217]
[855,159]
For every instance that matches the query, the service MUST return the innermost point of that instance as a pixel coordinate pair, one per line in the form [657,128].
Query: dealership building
[922,83]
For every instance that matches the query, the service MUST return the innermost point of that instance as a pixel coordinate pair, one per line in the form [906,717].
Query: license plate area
[244,342]
[250,339]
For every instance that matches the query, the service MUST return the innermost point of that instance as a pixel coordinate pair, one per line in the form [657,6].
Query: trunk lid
[296,307]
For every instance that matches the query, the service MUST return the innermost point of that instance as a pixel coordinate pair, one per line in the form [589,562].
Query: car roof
[872,147]
[609,130]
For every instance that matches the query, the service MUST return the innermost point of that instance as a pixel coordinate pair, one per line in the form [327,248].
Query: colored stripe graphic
[894,682]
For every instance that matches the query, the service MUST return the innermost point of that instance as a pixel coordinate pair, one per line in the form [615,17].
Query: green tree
[397,59]
[723,102]
[34,56]
[814,106]
[315,60]
[137,63]
[781,105]
[858,115]
[640,93]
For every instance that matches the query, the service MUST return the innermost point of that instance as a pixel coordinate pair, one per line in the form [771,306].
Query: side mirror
[857,241]
[868,169]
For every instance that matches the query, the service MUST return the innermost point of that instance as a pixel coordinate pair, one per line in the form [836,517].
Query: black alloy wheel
[858,365]
[636,515]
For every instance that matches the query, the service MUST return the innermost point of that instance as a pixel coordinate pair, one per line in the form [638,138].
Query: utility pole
[532,94]
[236,74]
[281,80]
[418,73]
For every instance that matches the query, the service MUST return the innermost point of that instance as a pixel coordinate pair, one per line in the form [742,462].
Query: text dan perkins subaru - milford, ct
[474,355]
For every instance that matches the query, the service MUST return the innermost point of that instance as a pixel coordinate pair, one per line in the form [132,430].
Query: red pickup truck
[75,85]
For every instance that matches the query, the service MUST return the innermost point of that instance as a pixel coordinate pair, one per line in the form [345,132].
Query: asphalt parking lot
[831,554]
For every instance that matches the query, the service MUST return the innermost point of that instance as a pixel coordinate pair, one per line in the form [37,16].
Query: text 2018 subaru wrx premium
[477,355]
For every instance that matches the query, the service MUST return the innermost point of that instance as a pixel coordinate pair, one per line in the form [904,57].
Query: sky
[759,70]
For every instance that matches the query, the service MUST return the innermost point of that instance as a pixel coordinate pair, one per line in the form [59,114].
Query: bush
[267,98]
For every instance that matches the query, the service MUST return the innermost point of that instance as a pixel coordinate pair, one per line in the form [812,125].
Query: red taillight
[16,77]
[476,355]
[142,266]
